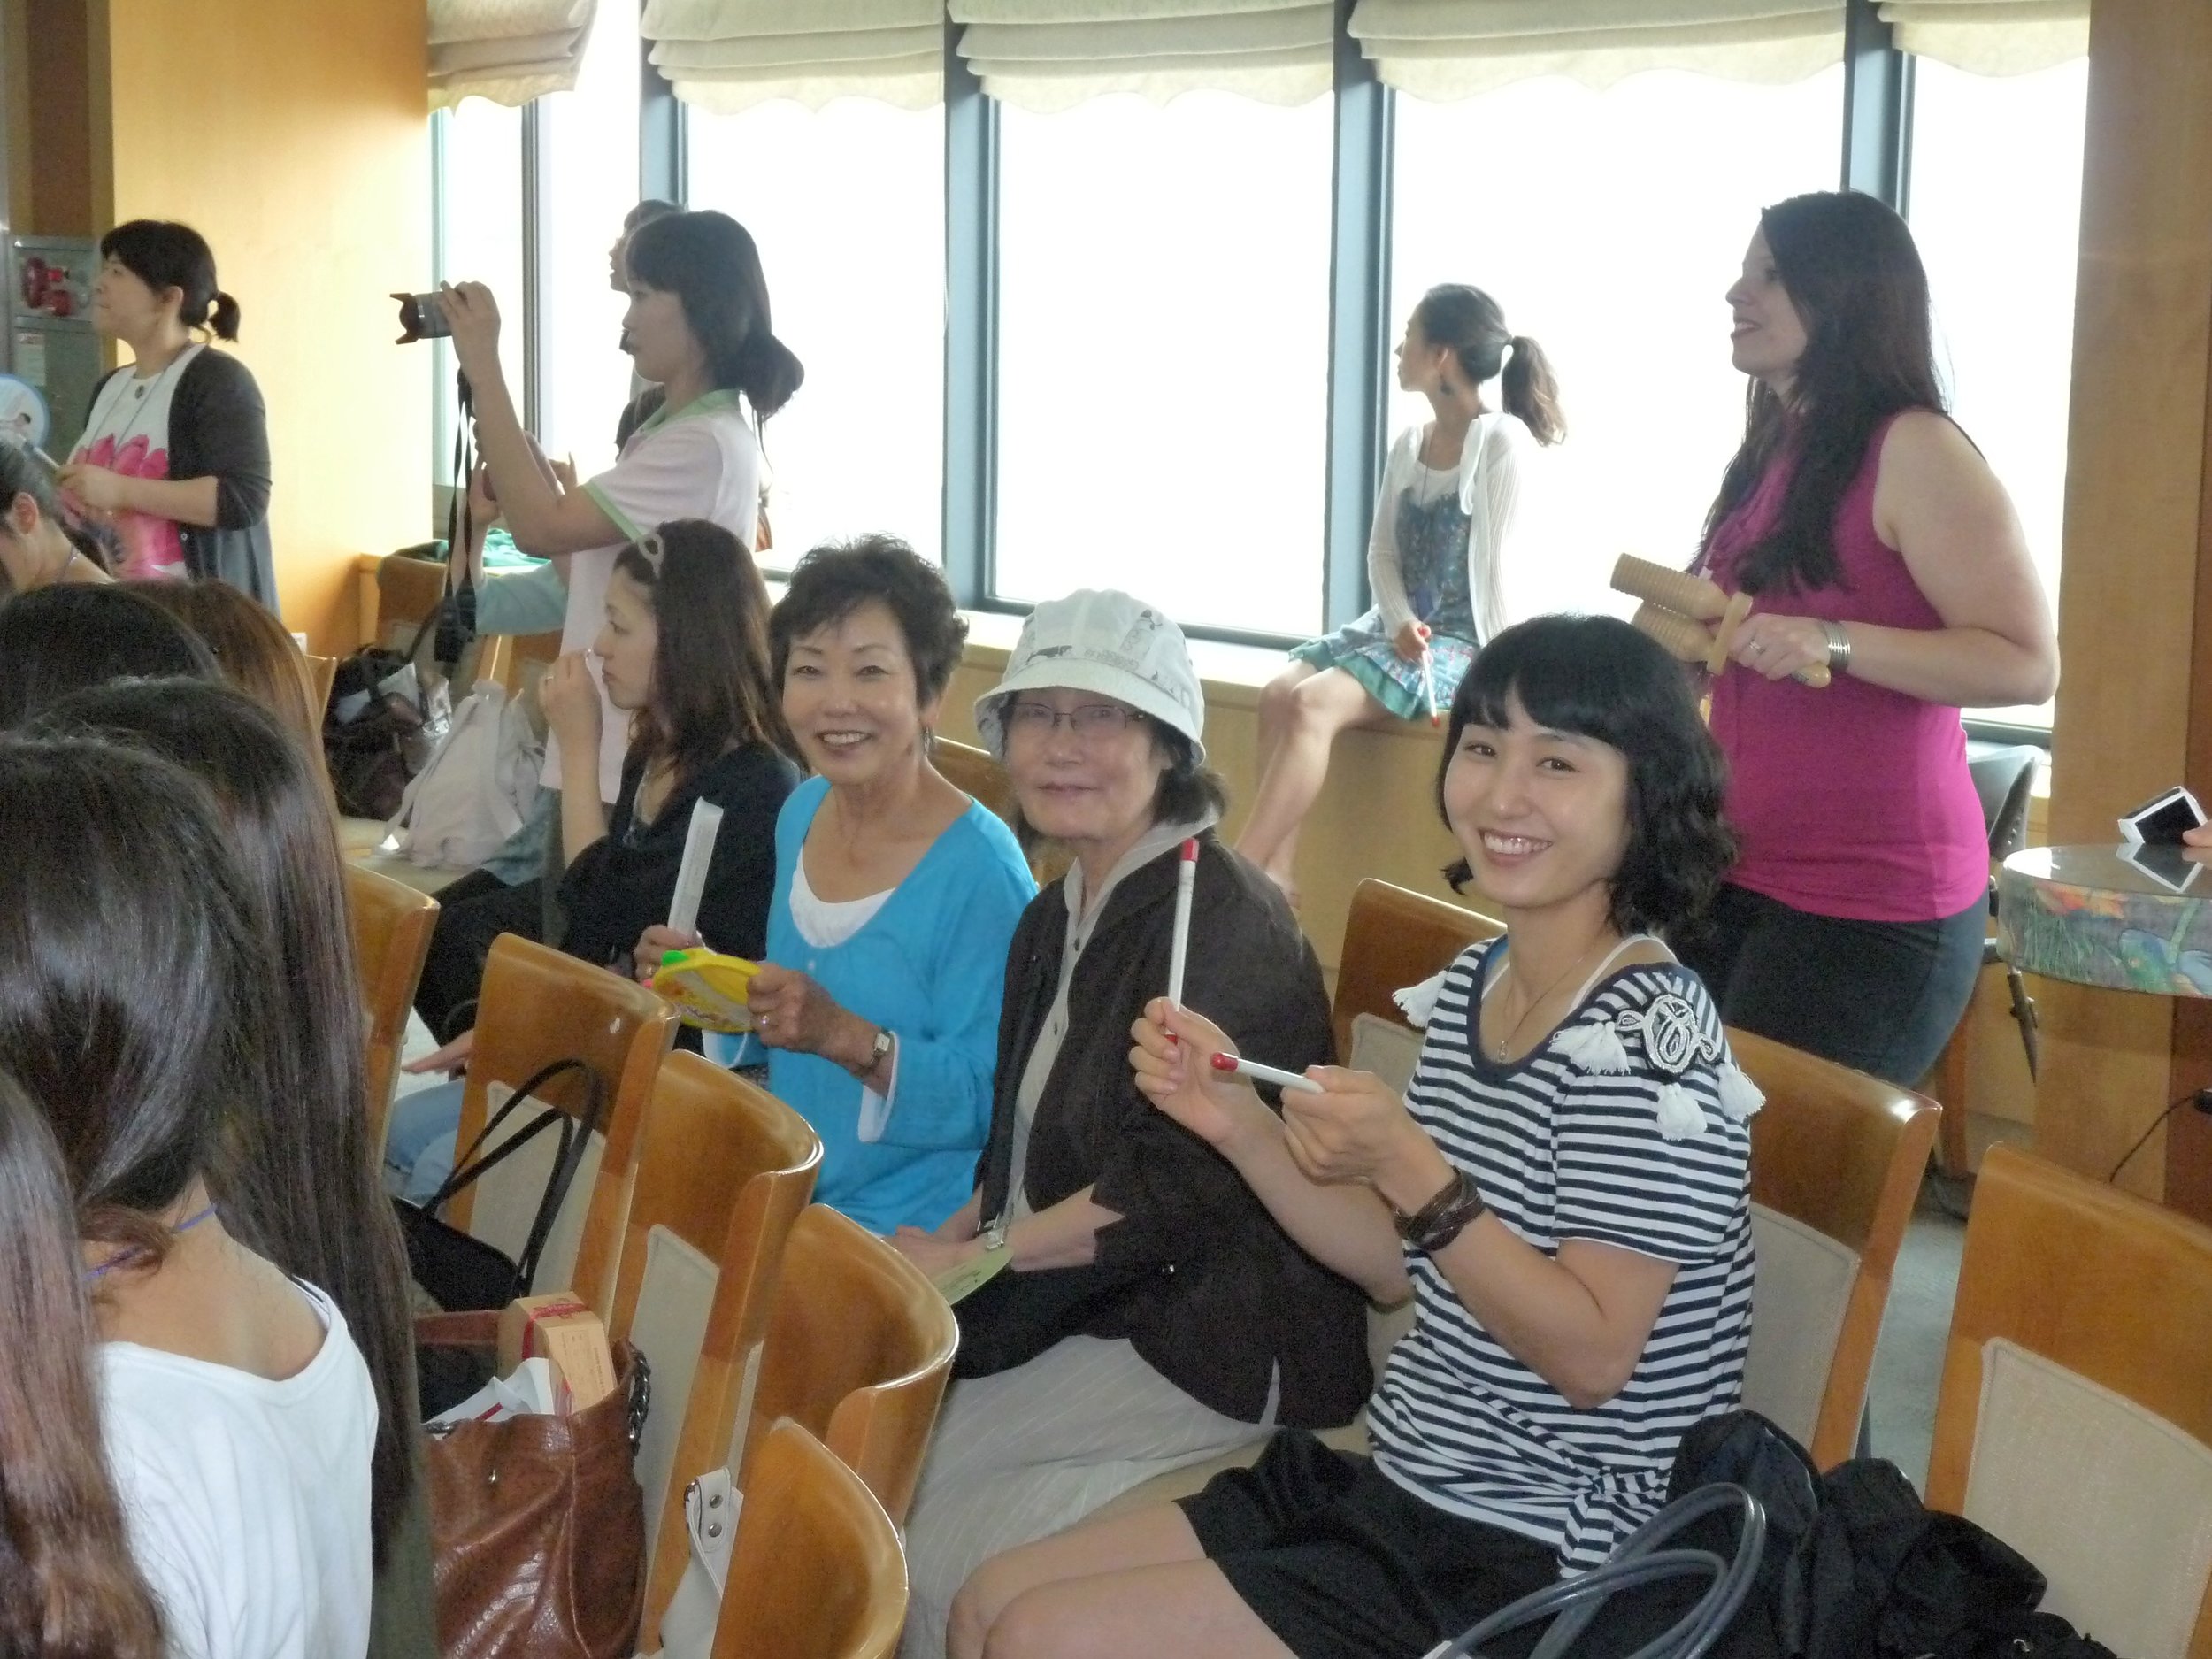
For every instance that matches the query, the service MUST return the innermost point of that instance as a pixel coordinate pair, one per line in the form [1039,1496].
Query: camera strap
[457,616]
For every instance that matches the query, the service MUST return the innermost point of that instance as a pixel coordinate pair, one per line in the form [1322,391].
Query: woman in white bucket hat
[1150,1313]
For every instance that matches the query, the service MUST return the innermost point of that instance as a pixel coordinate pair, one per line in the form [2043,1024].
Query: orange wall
[295,135]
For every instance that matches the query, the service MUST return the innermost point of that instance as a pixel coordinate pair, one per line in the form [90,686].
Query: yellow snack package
[707,988]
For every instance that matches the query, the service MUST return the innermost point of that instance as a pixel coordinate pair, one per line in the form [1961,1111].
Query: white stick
[691,876]
[1179,952]
[1428,679]
[1257,1072]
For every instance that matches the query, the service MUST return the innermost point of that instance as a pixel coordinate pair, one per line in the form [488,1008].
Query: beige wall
[294,134]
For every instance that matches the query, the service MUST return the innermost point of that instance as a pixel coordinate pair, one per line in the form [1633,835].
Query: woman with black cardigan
[174,454]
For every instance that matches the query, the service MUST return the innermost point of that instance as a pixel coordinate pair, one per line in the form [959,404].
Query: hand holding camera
[465,312]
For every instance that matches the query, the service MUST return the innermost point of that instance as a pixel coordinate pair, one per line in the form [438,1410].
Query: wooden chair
[2075,1415]
[1836,1161]
[816,1570]
[724,1170]
[407,591]
[322,674]
[1394,938]
[392,925]
[538,1006]
[979,773]
[859,1350]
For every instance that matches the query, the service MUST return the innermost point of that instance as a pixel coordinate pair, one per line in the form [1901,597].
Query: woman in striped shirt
[1562,1191]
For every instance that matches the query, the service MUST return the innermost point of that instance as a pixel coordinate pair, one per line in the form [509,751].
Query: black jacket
[219,429]
[1229,1297]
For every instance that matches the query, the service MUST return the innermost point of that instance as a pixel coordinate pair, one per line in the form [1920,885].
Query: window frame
[1876,157]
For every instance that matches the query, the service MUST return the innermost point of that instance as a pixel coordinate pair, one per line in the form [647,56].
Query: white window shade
[509,52]
[726,56]
[1457,49]
[1992,37]
[1051,55]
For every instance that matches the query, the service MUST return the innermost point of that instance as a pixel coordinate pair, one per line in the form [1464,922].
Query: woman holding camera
[698,325]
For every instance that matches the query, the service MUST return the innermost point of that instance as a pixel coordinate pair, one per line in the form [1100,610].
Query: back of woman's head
[295,1171]
[1861,293]
[163,254]
[1469,322]
[22,473]
[68,1584]
[1598,678]
[833,580]
[64,638]
[710,681]
[709,262]
[254,651]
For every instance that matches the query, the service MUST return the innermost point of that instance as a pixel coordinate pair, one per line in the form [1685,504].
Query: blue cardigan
[930,967]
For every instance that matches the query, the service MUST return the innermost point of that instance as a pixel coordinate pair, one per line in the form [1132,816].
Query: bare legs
[1302,711]
[1135,1584]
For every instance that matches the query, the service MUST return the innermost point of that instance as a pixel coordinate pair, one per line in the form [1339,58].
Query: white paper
[529,1392]
[691,879]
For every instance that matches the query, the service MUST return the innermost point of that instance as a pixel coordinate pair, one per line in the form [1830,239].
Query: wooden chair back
[859,1349]
[407,591]
[538,1006]
[392,924]
[816,1570]
[979,773]
[2100,1302]
[1394,938]
[1839,1154]
[724,1170]
[322,674]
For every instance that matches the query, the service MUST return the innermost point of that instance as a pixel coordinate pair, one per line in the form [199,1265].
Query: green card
[956,1284]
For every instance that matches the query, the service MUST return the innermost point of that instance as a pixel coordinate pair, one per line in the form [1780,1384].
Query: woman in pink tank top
[1879,544]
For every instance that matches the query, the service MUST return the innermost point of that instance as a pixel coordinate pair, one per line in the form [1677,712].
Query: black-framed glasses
[1087,720]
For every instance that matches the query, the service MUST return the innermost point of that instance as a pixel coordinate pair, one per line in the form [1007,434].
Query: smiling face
[1767,337]
[627,642]
[850,697]
[124,307]
[657,335]
[1089,780]
[1542,816]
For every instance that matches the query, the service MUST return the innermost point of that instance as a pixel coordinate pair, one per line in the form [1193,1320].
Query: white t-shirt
[702,462]
[248,1500]
[128,433]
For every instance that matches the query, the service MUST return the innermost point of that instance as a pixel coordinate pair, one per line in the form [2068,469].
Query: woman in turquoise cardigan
[895,896]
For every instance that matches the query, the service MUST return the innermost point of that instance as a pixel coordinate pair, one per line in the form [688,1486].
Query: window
[480,233]
[587,154]
[1607,224]
[1996,210]
[1163,356]
[847,205]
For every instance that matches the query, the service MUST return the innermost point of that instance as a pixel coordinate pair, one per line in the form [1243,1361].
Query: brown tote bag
[538,1525]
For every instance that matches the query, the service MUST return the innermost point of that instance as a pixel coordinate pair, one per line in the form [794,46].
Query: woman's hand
[570,698]
[1172,1055]
[453,1059]
[95,488]
[563,472]
[655,942]
[1357,1129]
[934,1255]
[791,1011]
[1411,640]
[473,314]
[1778,646]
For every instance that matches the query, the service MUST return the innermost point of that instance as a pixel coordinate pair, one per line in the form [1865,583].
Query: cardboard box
[561,1329]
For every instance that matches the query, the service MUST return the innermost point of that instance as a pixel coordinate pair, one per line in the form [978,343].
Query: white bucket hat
[1099,640]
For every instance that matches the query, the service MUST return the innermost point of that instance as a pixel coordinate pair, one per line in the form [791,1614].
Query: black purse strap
[575,1134]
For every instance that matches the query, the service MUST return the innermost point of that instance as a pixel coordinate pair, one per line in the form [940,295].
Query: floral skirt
[1362,649]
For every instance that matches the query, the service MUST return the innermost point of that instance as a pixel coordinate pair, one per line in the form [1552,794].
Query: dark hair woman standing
[175,450]
[1879,544]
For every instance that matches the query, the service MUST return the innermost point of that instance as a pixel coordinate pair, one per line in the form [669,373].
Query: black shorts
[1342,1562]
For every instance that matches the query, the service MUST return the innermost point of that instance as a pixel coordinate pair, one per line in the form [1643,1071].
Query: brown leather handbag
[537,1524]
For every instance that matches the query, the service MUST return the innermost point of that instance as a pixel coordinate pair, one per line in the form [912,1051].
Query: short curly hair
[835,579]
[1598,678]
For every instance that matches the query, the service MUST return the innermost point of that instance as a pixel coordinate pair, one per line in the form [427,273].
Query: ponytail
[73,1587]
[1531,392]
[768,371]
[222,316]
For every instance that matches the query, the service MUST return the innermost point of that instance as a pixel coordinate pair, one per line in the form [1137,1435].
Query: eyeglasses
[1087,721]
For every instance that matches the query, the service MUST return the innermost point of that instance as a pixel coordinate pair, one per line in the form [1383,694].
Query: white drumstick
[1179,951]
[1253,1072]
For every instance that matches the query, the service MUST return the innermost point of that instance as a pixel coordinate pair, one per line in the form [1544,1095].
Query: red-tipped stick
[1253,1071]
[1179,952]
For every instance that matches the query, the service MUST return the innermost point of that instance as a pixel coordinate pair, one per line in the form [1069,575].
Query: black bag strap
[575,1134]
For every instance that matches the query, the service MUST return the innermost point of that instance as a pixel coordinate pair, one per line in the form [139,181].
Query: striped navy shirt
[1613,1130]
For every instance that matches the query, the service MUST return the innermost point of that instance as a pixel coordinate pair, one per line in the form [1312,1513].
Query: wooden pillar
[2135,620]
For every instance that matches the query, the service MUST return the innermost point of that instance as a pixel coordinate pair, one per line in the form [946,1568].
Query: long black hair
[296,1173]
[74,634]
[163,254]
[1860,291]
[1471,324]
[1598,678]
[708,261]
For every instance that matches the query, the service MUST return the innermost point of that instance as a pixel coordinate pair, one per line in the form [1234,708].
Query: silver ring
[1757,646]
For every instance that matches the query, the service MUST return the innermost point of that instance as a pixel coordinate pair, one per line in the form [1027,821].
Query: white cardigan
[1489,493]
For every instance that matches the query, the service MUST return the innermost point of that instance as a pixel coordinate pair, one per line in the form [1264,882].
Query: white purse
[711,1506]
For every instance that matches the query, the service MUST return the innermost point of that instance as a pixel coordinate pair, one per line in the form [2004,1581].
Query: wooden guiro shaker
[1693,618]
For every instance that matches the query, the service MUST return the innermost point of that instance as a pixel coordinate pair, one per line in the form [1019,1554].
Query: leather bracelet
[1839,647]
[1445,1217]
